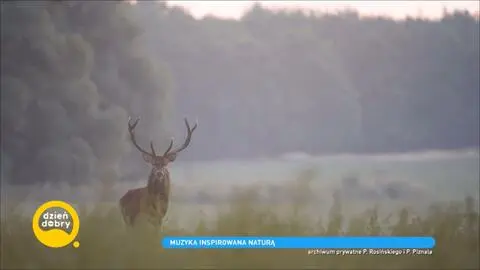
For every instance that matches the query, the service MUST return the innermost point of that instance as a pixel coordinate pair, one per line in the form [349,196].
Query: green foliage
[106,243]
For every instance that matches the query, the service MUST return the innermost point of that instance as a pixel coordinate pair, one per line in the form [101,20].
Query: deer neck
[159,182]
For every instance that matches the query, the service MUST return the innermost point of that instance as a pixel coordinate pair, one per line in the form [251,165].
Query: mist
[279,82]
[305,120]
[353,99]
[264,86]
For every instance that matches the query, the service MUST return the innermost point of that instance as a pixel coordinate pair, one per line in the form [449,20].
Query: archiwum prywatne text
[222,243]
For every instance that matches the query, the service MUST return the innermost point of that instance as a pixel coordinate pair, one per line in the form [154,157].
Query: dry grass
[106,244]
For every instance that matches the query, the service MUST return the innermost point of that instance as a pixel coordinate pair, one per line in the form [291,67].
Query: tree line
[276,82]
[269,83]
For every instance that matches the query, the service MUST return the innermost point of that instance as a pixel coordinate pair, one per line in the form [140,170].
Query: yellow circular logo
[56,224]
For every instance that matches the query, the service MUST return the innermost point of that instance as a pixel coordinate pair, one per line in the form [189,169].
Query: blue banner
[340,242]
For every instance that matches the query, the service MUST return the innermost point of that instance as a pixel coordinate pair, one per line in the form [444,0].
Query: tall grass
[107,244]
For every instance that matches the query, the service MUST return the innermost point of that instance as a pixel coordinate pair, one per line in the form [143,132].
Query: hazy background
[310,123]
[339,95]
[392,9]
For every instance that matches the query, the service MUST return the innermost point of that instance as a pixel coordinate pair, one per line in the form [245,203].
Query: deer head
[169,155]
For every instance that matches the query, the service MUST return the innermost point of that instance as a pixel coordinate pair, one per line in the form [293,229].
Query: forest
[270,83]
[321,83]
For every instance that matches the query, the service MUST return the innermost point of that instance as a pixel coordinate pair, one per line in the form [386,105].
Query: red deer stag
[153,199]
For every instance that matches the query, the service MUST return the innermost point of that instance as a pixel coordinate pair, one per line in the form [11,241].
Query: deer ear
[147,158]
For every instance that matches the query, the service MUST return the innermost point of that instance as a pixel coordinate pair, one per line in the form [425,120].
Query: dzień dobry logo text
[56,224]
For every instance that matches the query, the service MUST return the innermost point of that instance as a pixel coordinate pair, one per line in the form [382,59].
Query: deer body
[159,190]
[132,204]
[152,200]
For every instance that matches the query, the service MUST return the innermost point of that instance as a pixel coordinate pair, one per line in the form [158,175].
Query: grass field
[107,244]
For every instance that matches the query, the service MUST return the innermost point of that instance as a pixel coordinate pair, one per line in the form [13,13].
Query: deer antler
[169,147]
[187,139]
[131,128]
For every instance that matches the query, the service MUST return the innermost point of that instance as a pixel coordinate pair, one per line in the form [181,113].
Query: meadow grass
[107,244]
